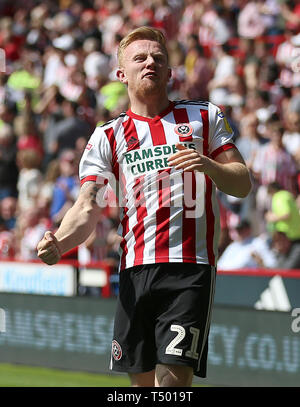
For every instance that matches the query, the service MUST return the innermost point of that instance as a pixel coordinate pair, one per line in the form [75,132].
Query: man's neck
[149,108]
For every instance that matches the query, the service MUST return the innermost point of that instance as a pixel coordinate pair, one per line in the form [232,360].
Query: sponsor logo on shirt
[89,146]
[150,159]
[132,141]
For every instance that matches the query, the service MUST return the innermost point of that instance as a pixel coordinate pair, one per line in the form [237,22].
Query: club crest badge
[184,129]
[116,350]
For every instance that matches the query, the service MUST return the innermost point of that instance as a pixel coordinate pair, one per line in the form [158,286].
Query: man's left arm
[228,170]
[230,173]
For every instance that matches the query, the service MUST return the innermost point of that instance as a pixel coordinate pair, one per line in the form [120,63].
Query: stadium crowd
[57,81]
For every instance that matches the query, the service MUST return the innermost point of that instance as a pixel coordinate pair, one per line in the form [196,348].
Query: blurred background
[57,81]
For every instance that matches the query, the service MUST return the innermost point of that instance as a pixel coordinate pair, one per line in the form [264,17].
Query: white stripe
[176,192]
[200,218]
[130,239]
[149,221]
[216,212]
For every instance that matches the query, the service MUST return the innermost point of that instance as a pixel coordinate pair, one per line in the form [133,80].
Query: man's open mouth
[150,74]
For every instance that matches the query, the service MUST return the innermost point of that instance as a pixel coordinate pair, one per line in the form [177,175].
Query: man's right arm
[75,228]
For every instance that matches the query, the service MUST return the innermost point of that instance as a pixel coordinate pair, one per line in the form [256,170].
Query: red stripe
[210,217]
[162,240]
[88,178]
[220,150]
[205,131]
[130,131]
[139,228]
[188,224]
[112,141]
[123,244]
[157,133]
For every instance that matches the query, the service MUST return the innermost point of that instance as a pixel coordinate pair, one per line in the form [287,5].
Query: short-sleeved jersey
[166,215]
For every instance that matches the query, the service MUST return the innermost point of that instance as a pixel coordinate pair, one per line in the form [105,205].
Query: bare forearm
[228,171]
[80,220]
[75,228]
[232,178]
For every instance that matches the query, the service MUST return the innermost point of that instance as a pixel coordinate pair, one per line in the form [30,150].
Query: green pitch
[31,376]
[28,376]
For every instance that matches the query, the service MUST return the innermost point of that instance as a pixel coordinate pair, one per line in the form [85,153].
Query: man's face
[144,68]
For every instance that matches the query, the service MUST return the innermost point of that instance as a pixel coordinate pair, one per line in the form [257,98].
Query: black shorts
[163,317]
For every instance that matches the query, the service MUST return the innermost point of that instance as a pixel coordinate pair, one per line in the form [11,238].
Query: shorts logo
[89,146]
[116,350]
[184,129]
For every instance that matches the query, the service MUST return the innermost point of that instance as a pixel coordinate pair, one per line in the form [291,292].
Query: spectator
[225,69]
[264,110]
[287,251]
[111,24]
[26,130]
[249,142]
[294,103]
[284,215]
[30,178]
[286,53]
[290,11]
[95,63]
[245,251]
[291,136]
[46,191]
[25,79]
[88,27]
[66,186]
[8,209]
[31,229]
[50,112]
[251,23]
[70,129]
[165,18]
[7,243]
[198,71]
[272,163]
[8,168]
[10,42]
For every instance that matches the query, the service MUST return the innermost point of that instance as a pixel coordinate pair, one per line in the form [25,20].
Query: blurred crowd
[57,81]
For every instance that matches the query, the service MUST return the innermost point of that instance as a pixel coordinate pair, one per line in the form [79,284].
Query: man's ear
[121,75]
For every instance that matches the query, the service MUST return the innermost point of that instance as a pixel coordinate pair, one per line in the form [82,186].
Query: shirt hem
[141,262]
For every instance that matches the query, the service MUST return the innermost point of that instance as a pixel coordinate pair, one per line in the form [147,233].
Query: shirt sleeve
[220,132]
[96,160]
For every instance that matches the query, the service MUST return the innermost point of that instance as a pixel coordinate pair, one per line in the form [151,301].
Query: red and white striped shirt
[166,215]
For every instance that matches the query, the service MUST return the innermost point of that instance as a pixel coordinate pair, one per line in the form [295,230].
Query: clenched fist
[48,250]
